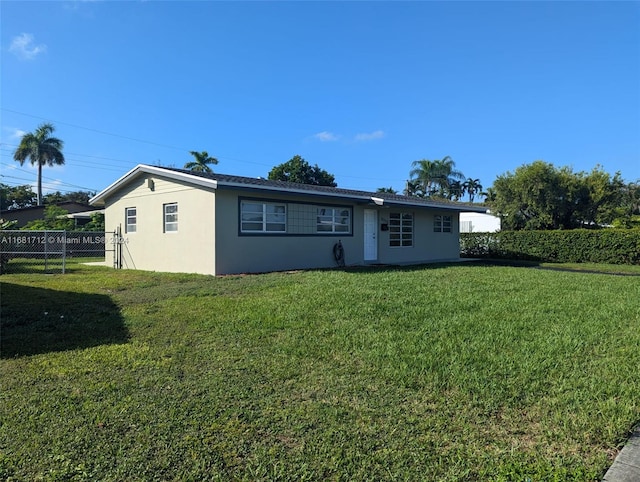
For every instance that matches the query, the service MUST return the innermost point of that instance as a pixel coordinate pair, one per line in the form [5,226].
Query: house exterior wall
[256,253]
[209,238]
[189,249]
[428,246]
[238,253]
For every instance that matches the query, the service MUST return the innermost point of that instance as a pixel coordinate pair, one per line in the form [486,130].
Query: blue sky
[362,89]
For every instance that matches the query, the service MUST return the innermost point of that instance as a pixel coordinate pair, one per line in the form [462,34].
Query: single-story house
[84,217]
[177,220]
[23,216]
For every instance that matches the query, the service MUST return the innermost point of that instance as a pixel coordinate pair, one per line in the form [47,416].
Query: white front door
[370,235]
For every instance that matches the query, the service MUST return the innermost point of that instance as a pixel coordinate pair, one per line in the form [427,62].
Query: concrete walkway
[626,466]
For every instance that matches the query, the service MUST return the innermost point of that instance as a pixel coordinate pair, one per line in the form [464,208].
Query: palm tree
[456,190]
[435,176]
[413,188]
[490,195]
[389,190]
[201,162]
[41,149]
[472,187]
[422,175]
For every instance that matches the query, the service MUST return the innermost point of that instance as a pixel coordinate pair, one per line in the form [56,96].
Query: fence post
[64,250]
[119,247]
[46,251]
[114,242]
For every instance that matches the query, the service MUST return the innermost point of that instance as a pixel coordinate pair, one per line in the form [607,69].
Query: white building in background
[479,223]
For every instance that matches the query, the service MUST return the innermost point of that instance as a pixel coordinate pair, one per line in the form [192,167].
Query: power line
[386,180]
[71,153]
[57,181]
[182,149]
[50,186]
[95,130]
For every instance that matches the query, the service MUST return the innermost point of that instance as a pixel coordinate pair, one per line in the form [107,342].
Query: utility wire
[57,181]
[386,180]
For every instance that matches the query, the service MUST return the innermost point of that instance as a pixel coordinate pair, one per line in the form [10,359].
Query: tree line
[535,196]
[542,196]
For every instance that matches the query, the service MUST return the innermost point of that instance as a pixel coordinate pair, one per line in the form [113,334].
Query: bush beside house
[615,246]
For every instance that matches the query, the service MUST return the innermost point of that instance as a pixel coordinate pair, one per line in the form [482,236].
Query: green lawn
[449,372]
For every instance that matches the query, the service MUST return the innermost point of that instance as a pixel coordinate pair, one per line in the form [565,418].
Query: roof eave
[99,198]
[364,198]
[303,192]
[421,204]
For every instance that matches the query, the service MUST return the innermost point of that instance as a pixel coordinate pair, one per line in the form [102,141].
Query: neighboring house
[84,217]
[25,215]
[479,223]
[181,221]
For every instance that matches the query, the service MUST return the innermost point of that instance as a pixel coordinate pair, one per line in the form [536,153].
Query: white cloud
[325,136]
[17,134]
[24,48]
[369,136]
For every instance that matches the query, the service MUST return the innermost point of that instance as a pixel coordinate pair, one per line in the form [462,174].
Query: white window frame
[170,226]
[267,219]
[333,217]
[130,227]
[401,230]
[442,223]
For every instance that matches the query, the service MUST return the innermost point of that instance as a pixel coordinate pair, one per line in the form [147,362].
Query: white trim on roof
[158,171]
[363,197]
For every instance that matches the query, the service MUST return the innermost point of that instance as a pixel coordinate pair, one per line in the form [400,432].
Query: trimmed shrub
[614,246]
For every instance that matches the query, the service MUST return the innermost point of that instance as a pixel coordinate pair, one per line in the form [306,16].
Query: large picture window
[442,224]
[131,223]
[400,229]
[171,218]
[333,220]
[263,217]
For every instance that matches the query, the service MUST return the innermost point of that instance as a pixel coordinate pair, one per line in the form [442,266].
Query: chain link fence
[23,251]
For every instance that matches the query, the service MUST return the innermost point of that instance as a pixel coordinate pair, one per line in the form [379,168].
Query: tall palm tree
[435,176]
[423,175]
[201,162]
[41,149]
[455,190]
[472,187]
[413,188]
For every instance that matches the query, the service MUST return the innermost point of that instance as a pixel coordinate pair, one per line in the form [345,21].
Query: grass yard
[450,372]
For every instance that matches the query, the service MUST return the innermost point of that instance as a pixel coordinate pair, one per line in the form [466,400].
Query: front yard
[450,372]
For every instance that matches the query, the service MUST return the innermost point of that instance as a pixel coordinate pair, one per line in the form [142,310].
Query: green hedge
[615,246]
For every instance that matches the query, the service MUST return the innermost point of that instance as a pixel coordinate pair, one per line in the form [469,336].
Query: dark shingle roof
[258,182]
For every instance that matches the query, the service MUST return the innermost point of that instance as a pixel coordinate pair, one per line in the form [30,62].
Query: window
[442,224]
[259,217]
[170,217]
[333,220]
[401,229]
[131,220]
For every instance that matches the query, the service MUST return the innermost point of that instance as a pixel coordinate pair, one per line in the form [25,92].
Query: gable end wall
[189,250]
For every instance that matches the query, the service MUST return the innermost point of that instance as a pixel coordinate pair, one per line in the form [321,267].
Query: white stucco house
[182,221]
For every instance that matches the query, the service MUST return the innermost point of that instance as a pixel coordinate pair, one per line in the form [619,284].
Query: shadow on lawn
[37,320]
